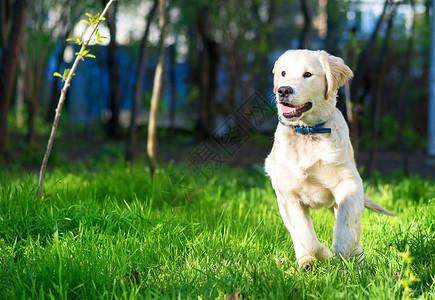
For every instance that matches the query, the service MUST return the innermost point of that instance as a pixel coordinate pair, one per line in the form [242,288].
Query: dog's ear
[336,72]
[275,72]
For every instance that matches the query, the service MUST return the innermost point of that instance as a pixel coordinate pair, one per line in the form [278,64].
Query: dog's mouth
[290,111]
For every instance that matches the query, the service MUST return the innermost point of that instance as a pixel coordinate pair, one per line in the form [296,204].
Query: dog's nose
[285,91]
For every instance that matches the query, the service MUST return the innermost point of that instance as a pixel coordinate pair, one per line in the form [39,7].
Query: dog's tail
[373,206]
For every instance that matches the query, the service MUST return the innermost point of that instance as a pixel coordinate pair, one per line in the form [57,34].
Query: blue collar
[312,130]
[309,129]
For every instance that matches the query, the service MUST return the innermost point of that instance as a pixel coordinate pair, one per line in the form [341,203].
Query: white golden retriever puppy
[311,164]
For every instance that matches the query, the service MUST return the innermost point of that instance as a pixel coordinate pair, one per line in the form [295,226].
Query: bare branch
[62,100]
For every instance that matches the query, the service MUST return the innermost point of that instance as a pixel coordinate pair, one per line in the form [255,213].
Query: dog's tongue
[288,110]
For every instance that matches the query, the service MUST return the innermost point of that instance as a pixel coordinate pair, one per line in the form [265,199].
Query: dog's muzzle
[289,110]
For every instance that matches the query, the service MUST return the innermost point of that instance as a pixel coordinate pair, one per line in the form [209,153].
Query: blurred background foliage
[218,54]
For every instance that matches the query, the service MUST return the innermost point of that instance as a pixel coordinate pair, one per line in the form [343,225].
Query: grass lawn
[107,230]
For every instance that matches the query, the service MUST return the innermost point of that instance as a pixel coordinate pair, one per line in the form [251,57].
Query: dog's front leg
[348,211]
[297,219]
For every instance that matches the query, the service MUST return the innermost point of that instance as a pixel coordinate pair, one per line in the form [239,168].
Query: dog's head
[306,84]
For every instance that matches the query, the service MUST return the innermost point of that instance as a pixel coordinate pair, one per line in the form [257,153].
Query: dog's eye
[307,74]
[283,73]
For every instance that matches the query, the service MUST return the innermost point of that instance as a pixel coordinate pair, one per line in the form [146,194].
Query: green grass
[106,230]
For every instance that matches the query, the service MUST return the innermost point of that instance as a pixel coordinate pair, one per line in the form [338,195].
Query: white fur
[319,170]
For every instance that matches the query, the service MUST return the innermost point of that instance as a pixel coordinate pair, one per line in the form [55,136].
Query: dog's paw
[341,251]
[323,254]
[358,253]
[306,262]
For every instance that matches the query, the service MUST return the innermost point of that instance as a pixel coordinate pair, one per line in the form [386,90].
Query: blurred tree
[335,25]
[266,15]
[425,35]
[39,37]
[360,88]
[197,21]
[232,38]
[157,91]
[5,13]
[8,67]
[404,95]
[208,75]
[113,67]
[38,44]
[246,39]
[305,36]
[173,96]
[376,103]
[137,87]
[364,58]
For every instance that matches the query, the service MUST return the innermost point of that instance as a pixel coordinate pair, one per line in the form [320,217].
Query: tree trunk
[21,90]
[8,70]
[157,91]
[33,68]
[403,102]
[363,58]
[377,99]
[32,111]
[362,63]
[137,88]
[114,77]
[26,69]
[305,37]
[4,7]
[208,75]
[234,80]
[262,55]
[334,22]
[172,107]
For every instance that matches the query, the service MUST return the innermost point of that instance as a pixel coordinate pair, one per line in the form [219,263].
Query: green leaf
[90,55]
[57,74]
[66,74]
[80,55]
[93,20]
[99,38]
[77,40]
